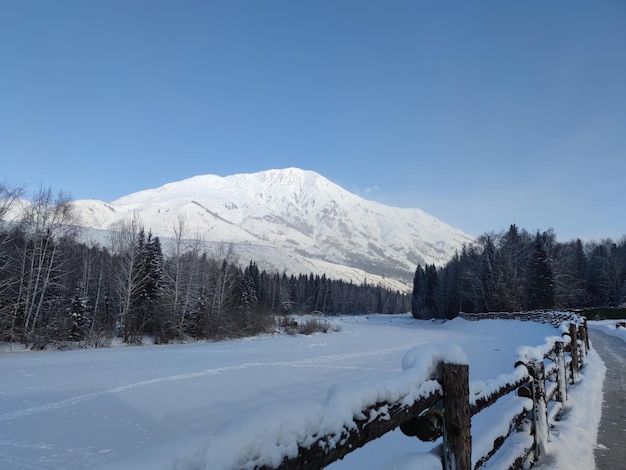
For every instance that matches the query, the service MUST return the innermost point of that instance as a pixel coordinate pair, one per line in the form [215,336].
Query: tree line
[518,271]
[55,288]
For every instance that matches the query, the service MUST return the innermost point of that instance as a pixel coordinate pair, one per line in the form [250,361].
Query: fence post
[457,437]
[580,345]
[561,373]
[584,340]
[540,411]
[587,345]
[573,334]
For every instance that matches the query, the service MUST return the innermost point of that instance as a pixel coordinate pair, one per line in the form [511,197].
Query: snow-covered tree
[78,318]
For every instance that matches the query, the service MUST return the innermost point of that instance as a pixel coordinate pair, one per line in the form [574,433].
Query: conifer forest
[516,271]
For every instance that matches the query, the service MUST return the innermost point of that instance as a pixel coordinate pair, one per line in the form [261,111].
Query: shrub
[314,326]
[291,326]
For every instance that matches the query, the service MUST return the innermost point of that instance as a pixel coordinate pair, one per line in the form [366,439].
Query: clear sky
[482,113]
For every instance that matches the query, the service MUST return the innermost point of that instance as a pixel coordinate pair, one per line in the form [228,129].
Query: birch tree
[9,200]
[128,278]
[45,221]
[224,294]
[181,273]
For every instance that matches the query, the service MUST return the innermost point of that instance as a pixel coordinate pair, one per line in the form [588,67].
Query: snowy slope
[294,211]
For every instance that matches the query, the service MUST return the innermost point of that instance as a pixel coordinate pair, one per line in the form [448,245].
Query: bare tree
[45,221]
[129,279]
[607,274]
[224,292]
[568,266]
[9,201]
[181,272]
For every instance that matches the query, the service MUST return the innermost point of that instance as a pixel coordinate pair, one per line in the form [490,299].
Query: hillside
[290,219]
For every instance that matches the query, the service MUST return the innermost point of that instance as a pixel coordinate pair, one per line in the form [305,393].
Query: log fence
[445,408]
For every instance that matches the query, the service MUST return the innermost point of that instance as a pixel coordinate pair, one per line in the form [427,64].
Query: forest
[58,290]
[516,271]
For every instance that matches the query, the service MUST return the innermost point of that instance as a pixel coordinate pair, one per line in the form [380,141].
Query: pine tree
[418,297]
[155,317]
[540,285]
[488,274]
[512,256]
[451,301]
[77,319]
[431,295]
[250,286]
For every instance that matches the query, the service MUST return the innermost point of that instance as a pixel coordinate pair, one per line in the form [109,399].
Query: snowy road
[151,406]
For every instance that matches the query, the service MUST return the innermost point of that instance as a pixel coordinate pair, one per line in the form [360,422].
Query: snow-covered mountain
[289,219]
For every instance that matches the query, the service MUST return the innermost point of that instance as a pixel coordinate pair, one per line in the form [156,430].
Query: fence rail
[388,416]
[443,406]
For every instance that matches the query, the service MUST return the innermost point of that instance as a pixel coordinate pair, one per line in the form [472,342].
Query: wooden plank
[322,453]
[487,400]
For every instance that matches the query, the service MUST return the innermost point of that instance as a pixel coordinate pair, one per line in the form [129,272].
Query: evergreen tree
[250,285]
[450,304]
[418,297]
[431,294]
[470,282]
[540,285]
[77,319]
[155,317]
[488,274]
[512,256]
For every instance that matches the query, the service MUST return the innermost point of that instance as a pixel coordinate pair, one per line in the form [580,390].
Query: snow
[495,422]
[220,405]
[289,212]
[610,328]
[485,388]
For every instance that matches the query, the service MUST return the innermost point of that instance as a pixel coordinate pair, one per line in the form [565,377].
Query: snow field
[211,405]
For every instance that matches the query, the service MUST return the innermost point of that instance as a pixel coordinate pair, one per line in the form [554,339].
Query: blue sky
[481,113]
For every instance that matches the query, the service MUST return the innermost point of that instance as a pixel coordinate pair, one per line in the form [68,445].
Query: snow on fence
[434,398]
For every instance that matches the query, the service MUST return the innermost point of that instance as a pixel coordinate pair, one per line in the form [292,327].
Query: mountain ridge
[293,210]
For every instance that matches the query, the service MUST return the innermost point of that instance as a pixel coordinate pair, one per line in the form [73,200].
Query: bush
[291,326]
[314,326]
[288,324]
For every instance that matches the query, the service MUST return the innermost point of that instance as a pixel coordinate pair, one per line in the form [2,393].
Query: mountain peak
[293,210]
[285,175]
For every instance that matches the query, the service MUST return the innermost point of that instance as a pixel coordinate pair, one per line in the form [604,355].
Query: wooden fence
[445,408]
